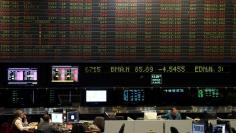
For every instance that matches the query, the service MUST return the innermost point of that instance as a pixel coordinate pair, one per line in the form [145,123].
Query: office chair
[122,128]
[233,130]
[78,128]
[227,124]
[100,122]
[5,128]
[173,130]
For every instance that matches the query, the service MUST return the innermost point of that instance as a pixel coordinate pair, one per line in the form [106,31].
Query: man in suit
[46,127]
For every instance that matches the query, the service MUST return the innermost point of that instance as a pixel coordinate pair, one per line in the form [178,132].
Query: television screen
[22,76]
[57,118]
[65,74]
[96,96]
[72,116]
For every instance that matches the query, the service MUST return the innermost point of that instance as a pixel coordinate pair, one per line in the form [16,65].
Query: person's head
[19,113]
[46,118]
[46,112]
[174,111]
[24,114]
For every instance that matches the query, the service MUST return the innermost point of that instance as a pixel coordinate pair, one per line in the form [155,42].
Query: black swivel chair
[174,130]
[122,128]
[233,130]
[227,124]
[100,122]
[78,128]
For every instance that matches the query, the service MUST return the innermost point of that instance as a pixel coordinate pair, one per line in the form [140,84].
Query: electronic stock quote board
[118,30]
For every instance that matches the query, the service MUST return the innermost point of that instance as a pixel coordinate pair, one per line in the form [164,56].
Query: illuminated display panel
[96,96]
[210,96]
[134,96]
[198,128]
[64,74]
[57,118]
[208,93]
[175,96]
[126,75]
[19,98]
[134,30]
[22,76]
[218,128]
[73,116]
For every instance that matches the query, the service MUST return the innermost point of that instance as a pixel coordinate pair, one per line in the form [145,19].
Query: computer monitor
[198,128]
[218,128]
[22,76]
[57,118]
[226,123]
[96,96]
[150,115]
[73,117]
[65,74]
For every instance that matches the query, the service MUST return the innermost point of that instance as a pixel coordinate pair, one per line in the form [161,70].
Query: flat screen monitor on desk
[57,118]
[198,128]
[73,117]
[150,115]
[218,128]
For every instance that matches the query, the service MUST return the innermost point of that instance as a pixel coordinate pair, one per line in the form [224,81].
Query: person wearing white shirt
[17,124]
[24,120]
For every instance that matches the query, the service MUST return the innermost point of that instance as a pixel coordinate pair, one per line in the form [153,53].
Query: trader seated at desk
[96,127]
[17,124]
[172,115]
[46,127]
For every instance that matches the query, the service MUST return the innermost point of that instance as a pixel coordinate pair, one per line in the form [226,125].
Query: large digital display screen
[64,74]
[208,93]
[125,75]
[96,96]
[22,76]
[120,30]
[175,96]
[133,95]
